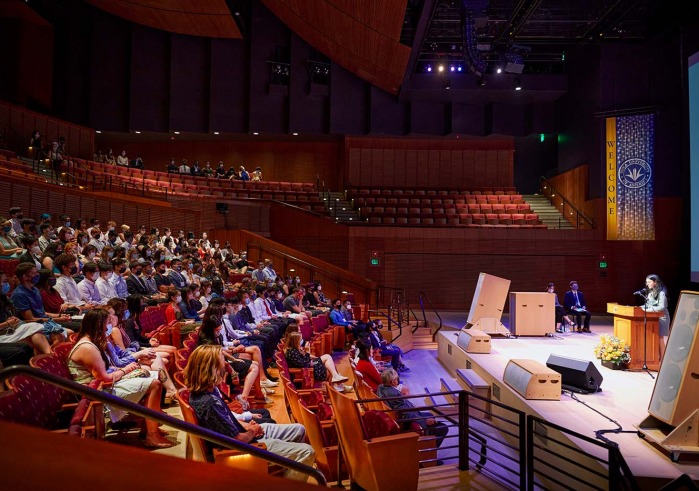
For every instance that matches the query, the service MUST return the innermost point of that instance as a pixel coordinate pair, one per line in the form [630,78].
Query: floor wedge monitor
[576,375]
[533,380]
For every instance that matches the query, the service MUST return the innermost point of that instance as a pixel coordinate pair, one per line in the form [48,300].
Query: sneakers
[402,368]
[268,400]
[267,390]
[269,383]
[243,402]
[339,378]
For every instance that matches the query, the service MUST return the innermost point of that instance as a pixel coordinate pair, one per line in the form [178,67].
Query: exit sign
[603,264]
[375,261]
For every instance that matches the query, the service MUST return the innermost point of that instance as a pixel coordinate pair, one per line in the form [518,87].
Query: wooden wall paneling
[87,208]
[73,141]
[457,168]
[411,167]
[491,167]
[39,202]
[433,169]
[5,115]
[17,120]
[21,196]
[51,130]
[365,172]
[399,167]
[103,211]
[422,169]
[6,190]
[376,170]
[469,168]
[354,163]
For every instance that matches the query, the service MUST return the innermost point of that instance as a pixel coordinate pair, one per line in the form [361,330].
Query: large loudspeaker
[532,380]
[576,375]
[675,394]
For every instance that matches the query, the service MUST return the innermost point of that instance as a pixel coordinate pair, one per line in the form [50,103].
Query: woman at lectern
[656,301]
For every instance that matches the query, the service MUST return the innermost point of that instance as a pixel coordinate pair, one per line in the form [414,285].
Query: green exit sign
[603,264]
[374,261]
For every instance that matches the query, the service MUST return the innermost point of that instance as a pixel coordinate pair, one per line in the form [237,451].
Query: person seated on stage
[366,364]
[574,303]
[387,349]
[391,387]
[656,301]
[205,371]
[297,357]
[561,316]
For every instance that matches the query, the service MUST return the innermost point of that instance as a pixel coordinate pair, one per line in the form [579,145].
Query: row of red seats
[454,209]
[165,177]
[493,199]
[386,192]
[468,219]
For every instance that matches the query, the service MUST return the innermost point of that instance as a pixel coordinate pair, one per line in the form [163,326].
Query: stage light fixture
[441,68]
[518,84]
[452,68]
[428,68]
[459,68]
[498,70]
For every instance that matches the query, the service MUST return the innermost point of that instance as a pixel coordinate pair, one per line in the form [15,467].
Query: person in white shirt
[184,168]
[65,284]
[104,286]
[270,274]
[96,241]
[87,288]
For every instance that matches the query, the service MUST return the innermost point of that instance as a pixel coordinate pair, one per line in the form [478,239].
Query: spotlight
[518,84]
[498,70]
[452,68]
[459,68]
[441,68]
[428,68]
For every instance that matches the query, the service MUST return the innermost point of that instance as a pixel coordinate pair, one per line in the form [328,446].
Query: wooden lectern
[628,325]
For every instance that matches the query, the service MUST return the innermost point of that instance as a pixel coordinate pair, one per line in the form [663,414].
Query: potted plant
[613,352]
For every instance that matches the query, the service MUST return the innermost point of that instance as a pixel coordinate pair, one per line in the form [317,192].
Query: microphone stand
[645,335]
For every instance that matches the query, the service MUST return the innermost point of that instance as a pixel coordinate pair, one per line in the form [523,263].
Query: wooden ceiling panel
[192,17]
[363,37]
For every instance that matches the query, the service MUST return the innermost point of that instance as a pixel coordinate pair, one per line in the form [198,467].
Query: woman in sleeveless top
[88,361]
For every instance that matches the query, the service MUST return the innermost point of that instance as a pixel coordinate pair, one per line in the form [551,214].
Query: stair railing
[160,417]
[579,219]
[422,297]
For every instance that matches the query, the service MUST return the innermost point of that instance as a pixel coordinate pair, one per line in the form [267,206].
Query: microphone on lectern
[642,292]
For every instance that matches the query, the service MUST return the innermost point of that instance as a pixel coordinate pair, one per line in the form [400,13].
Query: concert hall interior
[485,209]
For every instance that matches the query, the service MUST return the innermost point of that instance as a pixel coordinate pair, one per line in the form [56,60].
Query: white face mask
[109,275]
[36,250]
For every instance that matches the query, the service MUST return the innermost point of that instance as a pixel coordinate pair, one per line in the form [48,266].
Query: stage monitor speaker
[674,396]
[473,341]
[576,375]
[532,380]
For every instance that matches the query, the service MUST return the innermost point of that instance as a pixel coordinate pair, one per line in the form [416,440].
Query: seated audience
[205,371]
[391,387]
[297,357]
[366,364]
[87,287]
[15,330]
[8,247]
[386,349]
[87,361]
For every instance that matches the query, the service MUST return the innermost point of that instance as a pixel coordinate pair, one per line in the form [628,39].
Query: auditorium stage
[624,397]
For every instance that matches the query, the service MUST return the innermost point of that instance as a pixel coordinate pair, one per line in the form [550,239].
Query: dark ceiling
[535,33]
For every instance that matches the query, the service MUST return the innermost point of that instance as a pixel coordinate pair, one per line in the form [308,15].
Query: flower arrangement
[613,350]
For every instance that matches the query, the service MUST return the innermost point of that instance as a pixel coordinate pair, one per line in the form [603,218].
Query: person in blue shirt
[338,318]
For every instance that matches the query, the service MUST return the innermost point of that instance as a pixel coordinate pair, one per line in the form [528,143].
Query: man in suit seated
[574,303]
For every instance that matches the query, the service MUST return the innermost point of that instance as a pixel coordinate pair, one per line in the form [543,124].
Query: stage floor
[624,397]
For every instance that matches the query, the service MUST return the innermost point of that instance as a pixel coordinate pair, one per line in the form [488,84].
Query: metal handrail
[160,417]
[546,184]
[424,316]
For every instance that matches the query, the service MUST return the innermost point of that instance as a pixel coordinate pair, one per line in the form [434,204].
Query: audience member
[297,357]
[15,330]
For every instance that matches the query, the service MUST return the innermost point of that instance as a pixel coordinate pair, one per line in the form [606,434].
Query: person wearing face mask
[162,280]
[14,330]
[96,240]
[48,236]
[32,251]
[206,292]
[9,249]
[89,253]
[173,312]
[259,274]
[88,361]
[186,307]
[134,283]
[87,287]
[16,217]
[26,298]
[337,318]
[117,280]
[65,285]
[103,284]
[177,279]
